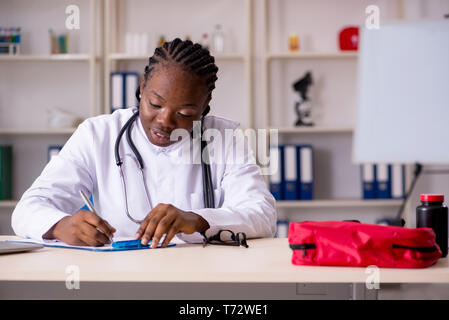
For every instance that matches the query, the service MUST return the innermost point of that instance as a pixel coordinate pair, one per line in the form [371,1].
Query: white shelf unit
[30,143]
[129,57]
[313,55]
[337,203]
[8,204]
[47,57]
[303,130]
[37,131]
[340,133]
[114,59]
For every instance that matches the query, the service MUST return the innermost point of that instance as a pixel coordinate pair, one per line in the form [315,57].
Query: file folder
[131,85]
[369,181]
[281,229]
[117,91]
[306,176]
[5,172]
[290,184]
[383,178]
[53,151]
[275,171]
[398,181]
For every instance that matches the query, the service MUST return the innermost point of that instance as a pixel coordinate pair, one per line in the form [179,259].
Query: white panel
[403,106]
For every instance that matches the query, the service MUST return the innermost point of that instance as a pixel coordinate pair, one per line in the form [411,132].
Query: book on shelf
[123,90]
[5,172]
[275,170]
[282,228]
[53,151]
[292,177]
[383,181]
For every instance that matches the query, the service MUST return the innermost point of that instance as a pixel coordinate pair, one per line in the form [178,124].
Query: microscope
[303,106]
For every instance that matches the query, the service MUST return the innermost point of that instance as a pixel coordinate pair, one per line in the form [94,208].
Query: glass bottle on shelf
[205,41]
[218,40]
[161,40]
[293,43]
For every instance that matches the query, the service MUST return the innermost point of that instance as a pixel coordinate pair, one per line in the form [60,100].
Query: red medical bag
[354,244]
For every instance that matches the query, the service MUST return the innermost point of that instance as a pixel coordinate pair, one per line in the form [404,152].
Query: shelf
[313,55]
[294,130]
[8,203]
[128,57]
[340,203]
[48,57]
[43,131]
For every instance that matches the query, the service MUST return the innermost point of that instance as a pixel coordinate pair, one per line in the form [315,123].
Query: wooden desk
[266,261]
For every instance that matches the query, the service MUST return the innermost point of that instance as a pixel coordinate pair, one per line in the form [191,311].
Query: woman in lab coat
[175,91]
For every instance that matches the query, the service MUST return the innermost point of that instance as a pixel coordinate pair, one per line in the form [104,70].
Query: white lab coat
[86,162]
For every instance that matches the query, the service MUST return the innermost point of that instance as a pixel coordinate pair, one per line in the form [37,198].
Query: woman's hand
[166,218]
[84,228]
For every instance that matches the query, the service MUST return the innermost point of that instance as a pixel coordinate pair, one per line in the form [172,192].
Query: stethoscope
[208,191]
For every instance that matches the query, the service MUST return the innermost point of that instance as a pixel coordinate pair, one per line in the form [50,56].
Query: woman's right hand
[84,228]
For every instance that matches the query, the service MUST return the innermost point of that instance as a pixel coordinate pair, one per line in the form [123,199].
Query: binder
[398,181]
[5,172]
[53,151]
[281,229]
[117,91]
[383,178]
[123,90]
[369,181]
[306,176]
[131,85]
[276,174]
[290,177]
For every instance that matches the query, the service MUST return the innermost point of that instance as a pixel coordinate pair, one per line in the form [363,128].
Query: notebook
[10,247]
[105,248]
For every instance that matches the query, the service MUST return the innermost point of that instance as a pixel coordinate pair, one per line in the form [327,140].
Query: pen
[87,202]
[91,208]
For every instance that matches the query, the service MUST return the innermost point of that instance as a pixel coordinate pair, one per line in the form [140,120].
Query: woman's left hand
[166,218]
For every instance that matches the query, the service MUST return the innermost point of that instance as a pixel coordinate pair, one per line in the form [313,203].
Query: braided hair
[191,57]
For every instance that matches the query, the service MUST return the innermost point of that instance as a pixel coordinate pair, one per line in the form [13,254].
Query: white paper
[106,247]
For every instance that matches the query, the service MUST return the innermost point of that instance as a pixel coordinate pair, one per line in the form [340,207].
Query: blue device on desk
[130,244]
[135,244]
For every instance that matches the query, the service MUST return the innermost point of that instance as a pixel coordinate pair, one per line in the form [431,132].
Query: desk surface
[266,260]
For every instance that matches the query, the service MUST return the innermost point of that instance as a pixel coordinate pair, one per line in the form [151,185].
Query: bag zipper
[419,249]
[306,246]
[303,247]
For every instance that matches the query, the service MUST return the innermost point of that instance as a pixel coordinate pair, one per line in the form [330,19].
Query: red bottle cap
[432,197]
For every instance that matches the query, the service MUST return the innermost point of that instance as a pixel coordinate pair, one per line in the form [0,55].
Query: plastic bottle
[218,39]
[18,34]
[205,41]
[433,213]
